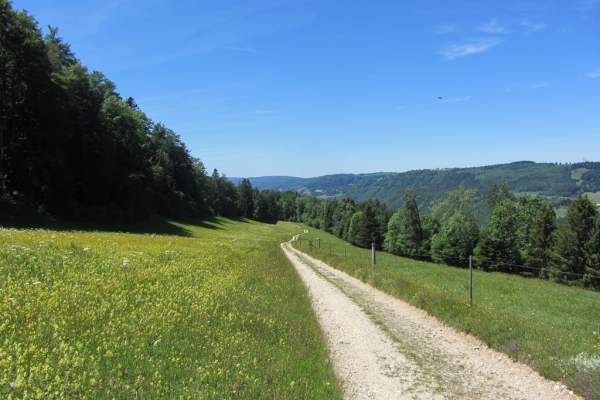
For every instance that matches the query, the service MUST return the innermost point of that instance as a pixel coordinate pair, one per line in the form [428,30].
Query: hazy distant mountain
[547,179]
[273,182]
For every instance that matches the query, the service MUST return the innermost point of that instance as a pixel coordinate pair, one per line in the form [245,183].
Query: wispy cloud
[455,99]
[238,48]
[269,111]
[533,27]
[477,46]
[539,85]
[530,7]
[202,29]
[587,5]
[492,27]
[587,9]
[446,28]
[595,74]
[86,18]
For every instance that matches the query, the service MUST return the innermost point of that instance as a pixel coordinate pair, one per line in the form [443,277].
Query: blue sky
[308,88]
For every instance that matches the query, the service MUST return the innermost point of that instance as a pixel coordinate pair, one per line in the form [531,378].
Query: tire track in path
[383,348]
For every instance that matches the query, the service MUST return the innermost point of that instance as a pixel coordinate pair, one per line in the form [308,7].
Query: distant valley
[551,180]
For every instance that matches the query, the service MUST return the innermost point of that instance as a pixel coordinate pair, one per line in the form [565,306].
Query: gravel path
[383,348]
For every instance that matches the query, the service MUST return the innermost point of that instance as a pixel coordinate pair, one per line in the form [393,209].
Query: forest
[554,180]
[71,146]
[522,235]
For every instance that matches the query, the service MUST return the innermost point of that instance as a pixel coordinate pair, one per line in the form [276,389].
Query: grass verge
[553,328]
[213,311]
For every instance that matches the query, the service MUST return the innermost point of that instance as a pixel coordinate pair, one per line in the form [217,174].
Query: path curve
[384,348]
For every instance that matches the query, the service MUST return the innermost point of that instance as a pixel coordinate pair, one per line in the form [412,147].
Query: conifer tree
[372,231]
[541,239]
[404,233]
[357,234]
[245,199]
[576,243]
[497,191]
[499,241]
[528,208]
[412,221]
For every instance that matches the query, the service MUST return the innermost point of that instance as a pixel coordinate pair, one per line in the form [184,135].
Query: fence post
[373,260]
[471,279]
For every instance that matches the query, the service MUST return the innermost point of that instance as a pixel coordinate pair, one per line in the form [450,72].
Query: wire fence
[357,254]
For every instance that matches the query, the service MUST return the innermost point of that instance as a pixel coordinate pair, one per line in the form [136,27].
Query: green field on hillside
[576,174]
[594,197]
[553,328]
[213,310]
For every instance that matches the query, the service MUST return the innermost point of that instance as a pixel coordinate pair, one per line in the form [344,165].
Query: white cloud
[493,27]
[539,85]
[595,74]
[533,27]
[460,50]
[447,28]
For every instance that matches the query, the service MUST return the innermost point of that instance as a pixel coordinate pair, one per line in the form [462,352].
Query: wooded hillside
[546,179]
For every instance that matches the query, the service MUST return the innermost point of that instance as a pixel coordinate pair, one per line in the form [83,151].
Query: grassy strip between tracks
[553,328]
[213,310]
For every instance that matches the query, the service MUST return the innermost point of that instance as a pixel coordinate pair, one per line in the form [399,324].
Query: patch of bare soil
[384,348]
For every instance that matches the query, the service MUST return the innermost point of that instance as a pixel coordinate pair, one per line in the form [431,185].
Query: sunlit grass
[218,314]
[593,196]
[576,174]
[553,328]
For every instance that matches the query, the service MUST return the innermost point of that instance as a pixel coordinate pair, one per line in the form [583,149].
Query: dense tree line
[522,235]
[72,146]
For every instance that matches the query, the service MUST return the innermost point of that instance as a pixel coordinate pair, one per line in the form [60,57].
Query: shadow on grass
[154,225]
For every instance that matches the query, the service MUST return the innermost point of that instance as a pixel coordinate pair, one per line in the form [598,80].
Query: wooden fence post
[373,259]
[471,279]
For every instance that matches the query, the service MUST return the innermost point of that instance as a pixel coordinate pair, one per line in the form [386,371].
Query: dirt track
[383,348]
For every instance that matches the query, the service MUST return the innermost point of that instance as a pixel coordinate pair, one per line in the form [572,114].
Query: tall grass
[215,312]
[553,328]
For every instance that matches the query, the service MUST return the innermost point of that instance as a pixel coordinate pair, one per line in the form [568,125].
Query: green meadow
[553,328]
[594,197]
[204,310]
[576,174]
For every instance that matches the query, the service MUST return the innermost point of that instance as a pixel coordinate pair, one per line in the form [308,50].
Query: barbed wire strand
[549,271]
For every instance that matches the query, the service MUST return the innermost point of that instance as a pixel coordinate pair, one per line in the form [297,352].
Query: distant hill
[546,179]
[271,182]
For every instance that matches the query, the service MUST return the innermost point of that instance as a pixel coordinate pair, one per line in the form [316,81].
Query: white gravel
[384,348]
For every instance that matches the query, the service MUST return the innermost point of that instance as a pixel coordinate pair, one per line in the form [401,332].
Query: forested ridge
[546,179]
